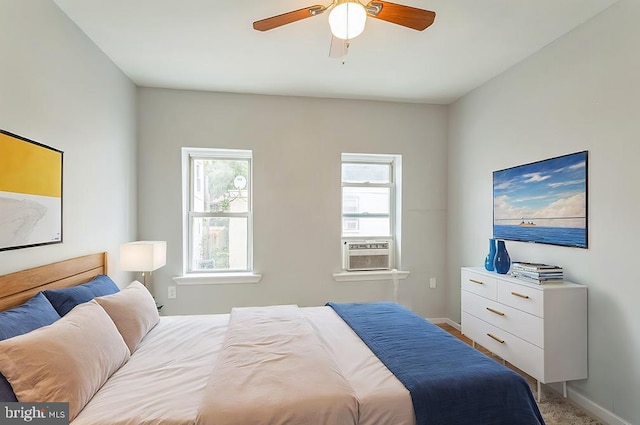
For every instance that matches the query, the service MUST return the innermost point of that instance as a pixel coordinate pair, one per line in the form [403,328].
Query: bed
[372,363]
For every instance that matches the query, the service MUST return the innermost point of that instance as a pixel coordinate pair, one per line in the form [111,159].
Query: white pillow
[134,312]
[67,361]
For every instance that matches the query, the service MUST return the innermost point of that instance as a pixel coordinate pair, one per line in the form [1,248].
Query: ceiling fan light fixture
[347,19]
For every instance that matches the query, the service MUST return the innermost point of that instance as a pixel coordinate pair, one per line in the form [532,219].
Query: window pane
[366,226]
[361,200]
[220,185]
[350,224]
[219,243]
[366,173]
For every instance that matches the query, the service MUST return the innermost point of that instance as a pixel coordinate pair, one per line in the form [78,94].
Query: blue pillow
[34,314]
[63,300]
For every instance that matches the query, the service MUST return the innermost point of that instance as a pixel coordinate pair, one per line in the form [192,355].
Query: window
[217,210]
[371,195]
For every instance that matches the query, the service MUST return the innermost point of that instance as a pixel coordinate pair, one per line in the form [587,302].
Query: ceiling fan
[347,19]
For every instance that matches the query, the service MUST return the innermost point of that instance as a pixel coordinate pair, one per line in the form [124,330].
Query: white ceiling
[211,45]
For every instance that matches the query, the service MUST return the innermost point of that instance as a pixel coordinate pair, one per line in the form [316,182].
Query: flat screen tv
[543,202]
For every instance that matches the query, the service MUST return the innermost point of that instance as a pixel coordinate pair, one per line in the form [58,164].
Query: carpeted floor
[555,409]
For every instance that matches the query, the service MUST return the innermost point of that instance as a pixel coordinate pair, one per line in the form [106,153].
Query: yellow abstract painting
[30,193]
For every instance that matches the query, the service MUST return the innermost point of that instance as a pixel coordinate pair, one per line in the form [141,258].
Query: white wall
[58,88]
[296,145]
[581,92]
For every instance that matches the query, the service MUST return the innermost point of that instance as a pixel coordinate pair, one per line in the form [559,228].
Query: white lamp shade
[347,20]
[143,256]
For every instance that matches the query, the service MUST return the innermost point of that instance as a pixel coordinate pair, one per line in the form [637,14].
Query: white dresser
[540,329]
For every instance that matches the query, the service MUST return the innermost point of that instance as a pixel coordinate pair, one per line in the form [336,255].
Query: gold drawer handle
[501,341]
[520,295]
[495,311]
[476,281]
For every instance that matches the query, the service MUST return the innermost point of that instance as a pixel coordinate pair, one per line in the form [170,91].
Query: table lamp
[143,256]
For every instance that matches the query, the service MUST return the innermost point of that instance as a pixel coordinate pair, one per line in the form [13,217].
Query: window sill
[346,276]
[218,278]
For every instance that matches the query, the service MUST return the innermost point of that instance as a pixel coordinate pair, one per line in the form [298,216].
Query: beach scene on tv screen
[543,202]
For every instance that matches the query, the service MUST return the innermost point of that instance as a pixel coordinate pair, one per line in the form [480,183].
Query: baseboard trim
[439,320]
[593,408]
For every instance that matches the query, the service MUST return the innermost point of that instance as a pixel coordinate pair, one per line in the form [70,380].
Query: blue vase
[502,261]
[488,261]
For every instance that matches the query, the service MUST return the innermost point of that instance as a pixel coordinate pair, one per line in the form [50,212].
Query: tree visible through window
[219,210]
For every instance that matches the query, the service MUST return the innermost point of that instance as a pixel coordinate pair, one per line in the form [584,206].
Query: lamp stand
[144,282]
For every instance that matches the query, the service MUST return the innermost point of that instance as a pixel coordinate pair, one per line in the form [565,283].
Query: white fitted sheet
[163,381]
[166,378]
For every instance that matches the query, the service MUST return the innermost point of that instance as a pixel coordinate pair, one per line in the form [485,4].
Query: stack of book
[537,273]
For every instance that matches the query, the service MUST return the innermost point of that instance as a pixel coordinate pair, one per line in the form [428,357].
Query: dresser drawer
[517,322]
[521,297]
[522,354]
[480,284]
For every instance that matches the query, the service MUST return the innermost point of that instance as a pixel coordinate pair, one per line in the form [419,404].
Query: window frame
[395,200]
[189,155]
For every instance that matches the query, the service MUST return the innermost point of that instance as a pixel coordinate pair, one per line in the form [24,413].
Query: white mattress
[165,379]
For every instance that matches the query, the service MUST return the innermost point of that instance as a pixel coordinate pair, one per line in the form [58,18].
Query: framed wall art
[543,202]
[30,193]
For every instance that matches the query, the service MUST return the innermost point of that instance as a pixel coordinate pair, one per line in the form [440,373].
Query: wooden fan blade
[287,18]
[407,16]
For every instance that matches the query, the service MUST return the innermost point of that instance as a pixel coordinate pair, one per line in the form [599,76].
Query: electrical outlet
[171,293]
[432,283]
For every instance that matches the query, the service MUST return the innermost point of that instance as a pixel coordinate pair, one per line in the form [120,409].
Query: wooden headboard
[18,287]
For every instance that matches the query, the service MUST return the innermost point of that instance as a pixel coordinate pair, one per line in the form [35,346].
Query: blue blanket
[450,382]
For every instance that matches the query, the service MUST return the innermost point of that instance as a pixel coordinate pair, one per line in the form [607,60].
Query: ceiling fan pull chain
[346,50]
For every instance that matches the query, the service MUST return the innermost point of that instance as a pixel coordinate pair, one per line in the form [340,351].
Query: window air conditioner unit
[367,255]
